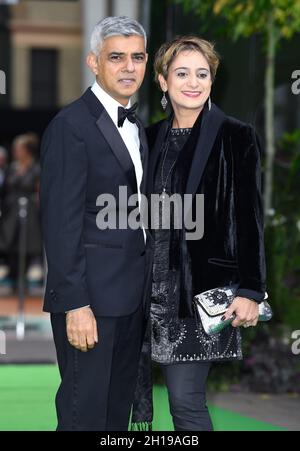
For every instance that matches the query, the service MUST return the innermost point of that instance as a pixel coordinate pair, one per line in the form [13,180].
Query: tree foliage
[245,18]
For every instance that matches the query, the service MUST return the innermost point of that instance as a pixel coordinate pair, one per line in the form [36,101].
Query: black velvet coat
[226,170]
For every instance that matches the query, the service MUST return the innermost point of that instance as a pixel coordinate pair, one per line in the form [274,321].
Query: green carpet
[27,403]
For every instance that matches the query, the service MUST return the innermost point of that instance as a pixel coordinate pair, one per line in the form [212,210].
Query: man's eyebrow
[116,53]
[122,53]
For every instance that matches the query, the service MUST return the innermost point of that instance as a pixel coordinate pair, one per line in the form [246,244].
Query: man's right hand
[82,328]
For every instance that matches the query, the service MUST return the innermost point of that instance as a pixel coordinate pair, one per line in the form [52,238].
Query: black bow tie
[128,113]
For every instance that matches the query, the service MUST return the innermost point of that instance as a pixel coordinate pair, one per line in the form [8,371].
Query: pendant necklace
[164,183]
[165,211]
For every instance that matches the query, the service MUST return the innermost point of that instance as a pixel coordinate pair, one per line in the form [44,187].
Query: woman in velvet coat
[201,150]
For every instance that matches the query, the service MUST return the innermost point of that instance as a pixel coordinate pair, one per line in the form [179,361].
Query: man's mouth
[127,81]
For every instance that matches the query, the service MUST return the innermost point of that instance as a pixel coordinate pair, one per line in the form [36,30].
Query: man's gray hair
[115,26]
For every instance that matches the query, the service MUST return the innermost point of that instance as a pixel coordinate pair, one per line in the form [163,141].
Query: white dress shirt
[129,132]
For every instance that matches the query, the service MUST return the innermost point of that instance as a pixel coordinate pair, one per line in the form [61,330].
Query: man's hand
[246,312]
[82,328]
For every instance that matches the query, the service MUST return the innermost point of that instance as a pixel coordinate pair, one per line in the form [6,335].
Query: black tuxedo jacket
[226,170]
[82,157]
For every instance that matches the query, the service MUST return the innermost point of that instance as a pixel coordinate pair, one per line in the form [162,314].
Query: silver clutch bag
[212,304]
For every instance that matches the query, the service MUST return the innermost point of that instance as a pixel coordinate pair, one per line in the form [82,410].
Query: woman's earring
[164,101]
[209,103]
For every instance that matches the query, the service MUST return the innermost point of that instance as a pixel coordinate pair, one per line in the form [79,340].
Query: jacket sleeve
[62,198]
[249,216]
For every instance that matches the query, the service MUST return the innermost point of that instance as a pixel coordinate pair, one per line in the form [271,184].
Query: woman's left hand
[246,312]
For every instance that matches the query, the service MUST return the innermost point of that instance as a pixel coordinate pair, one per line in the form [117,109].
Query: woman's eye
[203,75]
[181,74]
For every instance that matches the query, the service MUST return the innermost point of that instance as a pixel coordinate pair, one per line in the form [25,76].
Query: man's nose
[129,65]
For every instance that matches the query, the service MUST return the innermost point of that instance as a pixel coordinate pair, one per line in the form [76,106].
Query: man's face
[120,66]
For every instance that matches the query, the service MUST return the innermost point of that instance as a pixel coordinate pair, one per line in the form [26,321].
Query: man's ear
[163,83]
[91,61]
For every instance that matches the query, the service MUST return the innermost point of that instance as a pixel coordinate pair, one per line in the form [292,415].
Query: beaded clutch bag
[212,304]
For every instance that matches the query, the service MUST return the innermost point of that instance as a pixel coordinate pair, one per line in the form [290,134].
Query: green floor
[27,403]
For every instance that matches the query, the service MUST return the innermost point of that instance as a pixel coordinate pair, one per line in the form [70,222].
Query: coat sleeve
[249,216]
[62,199]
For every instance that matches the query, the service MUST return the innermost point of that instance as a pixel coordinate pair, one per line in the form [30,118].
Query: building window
[44,78]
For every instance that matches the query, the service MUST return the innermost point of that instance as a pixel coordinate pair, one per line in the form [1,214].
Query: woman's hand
[246,312]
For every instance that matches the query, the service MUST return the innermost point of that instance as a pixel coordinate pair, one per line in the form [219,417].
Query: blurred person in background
[22,180]
[3,167]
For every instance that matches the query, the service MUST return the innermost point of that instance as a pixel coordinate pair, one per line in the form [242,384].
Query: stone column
[92,12]
[128,8]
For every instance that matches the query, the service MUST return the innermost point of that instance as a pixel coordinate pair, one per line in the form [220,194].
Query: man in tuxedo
[96,282]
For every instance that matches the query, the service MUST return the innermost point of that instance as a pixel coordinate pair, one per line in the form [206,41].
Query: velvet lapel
[155,152]
[211,123]
[112,136]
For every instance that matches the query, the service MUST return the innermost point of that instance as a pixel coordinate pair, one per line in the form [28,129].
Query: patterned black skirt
[183,340]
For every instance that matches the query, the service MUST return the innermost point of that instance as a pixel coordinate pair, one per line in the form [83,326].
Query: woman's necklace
[165,208]
[164,212]
[164,183]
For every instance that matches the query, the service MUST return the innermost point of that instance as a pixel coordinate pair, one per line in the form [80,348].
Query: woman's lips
[192,94]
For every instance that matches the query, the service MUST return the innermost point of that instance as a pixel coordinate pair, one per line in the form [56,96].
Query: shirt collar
[110,104]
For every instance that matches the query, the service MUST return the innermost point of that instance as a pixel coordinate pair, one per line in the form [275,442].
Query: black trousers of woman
[186,388]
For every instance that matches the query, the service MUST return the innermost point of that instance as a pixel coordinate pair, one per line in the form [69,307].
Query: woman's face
[189,81]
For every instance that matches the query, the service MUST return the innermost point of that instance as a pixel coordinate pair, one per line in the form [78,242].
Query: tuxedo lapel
[144,154]
[112,136]
[117,145]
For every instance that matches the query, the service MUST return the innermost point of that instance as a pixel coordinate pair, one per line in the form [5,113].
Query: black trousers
[187,395]
[97,387]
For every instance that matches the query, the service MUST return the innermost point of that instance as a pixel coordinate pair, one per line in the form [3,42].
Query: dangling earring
[164,101]
[209,103]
